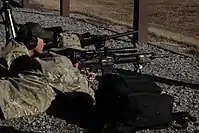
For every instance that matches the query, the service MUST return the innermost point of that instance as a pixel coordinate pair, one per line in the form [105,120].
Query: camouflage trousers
[25,95]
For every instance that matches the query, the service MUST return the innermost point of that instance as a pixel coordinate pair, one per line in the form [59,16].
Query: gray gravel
[174,67]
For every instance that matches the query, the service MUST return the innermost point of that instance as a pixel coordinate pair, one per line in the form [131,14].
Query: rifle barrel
[112,51]
[121,50]
[121,60]
[132,54]
[119,35]
[124,48]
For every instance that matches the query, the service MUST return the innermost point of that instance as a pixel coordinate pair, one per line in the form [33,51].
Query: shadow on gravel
[137,80]
[74,107]
[8,129]
[78,108]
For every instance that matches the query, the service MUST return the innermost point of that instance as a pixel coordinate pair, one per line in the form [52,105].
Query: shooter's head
[32,35]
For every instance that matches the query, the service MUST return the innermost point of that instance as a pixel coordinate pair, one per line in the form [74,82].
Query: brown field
[180,16]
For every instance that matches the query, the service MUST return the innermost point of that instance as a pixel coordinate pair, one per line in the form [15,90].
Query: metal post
[140,21]
[25,3]
[64,8]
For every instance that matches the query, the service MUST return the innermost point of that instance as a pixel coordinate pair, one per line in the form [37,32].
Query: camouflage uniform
[27,94]
[33,93]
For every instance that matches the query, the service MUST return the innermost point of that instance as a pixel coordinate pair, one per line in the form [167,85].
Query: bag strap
[182,118]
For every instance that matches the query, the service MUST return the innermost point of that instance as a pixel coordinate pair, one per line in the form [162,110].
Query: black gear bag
[127,111]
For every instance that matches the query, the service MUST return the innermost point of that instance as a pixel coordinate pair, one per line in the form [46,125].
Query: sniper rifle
[103,60]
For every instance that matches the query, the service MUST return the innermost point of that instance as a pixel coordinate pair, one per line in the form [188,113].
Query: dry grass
[181,16]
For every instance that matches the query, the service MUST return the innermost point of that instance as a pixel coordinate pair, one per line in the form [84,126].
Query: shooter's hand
[91,78]
[90,75]
[76,65]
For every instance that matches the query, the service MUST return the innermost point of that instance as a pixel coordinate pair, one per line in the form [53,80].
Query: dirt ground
[181,16]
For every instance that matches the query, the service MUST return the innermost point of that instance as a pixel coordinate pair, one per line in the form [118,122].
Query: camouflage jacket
[63,76]
[26,94]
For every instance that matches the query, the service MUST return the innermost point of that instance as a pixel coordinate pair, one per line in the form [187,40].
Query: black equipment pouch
[152,110]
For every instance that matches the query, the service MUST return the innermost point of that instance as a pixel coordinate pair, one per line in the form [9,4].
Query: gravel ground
[174,67]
